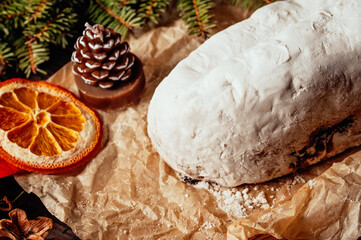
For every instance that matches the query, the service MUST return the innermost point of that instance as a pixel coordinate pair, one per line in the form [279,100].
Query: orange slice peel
[45,128]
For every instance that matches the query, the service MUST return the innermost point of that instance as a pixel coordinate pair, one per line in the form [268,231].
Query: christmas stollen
[274,93]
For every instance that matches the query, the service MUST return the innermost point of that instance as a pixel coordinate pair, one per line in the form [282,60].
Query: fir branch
[54,30]
[13,11]
[38,8]
[4,29]
[30,27]
[30,55]
[124,3]
[109,14]
[40,34]
[4,3]
[251,4]
[151,9]
[198,18]
[12,15]
[6,55]
[114,15]
[196,15]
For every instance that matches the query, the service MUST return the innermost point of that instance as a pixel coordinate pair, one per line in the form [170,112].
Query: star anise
[18,227]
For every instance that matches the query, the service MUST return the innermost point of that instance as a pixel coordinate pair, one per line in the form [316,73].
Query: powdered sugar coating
[238,108]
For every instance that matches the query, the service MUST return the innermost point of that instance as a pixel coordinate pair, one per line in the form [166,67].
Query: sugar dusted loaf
[276,92]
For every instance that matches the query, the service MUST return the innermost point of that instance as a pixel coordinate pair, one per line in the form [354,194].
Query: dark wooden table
[33,207]
[9,188]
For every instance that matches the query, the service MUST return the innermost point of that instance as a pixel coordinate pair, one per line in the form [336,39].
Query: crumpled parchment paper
[327,207]
[128,192]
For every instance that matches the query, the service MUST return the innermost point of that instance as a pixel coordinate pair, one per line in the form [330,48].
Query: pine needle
[28,28]
[114,15]
[124,3]
[6,55]
[38,10]
[199,21]
[31,57]
[150,10]
[196,14]
[52,30]
[251,4]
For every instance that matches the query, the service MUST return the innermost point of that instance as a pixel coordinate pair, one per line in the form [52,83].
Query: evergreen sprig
[124,3]
[7,57]
[109,13]
[30,55]
[150,10]
[196,14]
[48,29]
[6,54]
[29,28]
[38,9]
[251,4]
[12,13]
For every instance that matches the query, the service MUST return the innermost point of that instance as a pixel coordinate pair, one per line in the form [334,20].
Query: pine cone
[101,59]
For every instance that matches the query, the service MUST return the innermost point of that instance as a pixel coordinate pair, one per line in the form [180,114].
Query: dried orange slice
[45,128]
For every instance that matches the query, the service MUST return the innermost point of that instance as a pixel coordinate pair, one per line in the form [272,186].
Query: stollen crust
[264,97]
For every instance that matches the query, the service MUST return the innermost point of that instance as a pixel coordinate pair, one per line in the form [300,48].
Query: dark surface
[29,202]
[33,207]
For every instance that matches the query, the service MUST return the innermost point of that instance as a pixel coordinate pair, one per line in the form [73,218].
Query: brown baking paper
[128,192]
[327,207]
